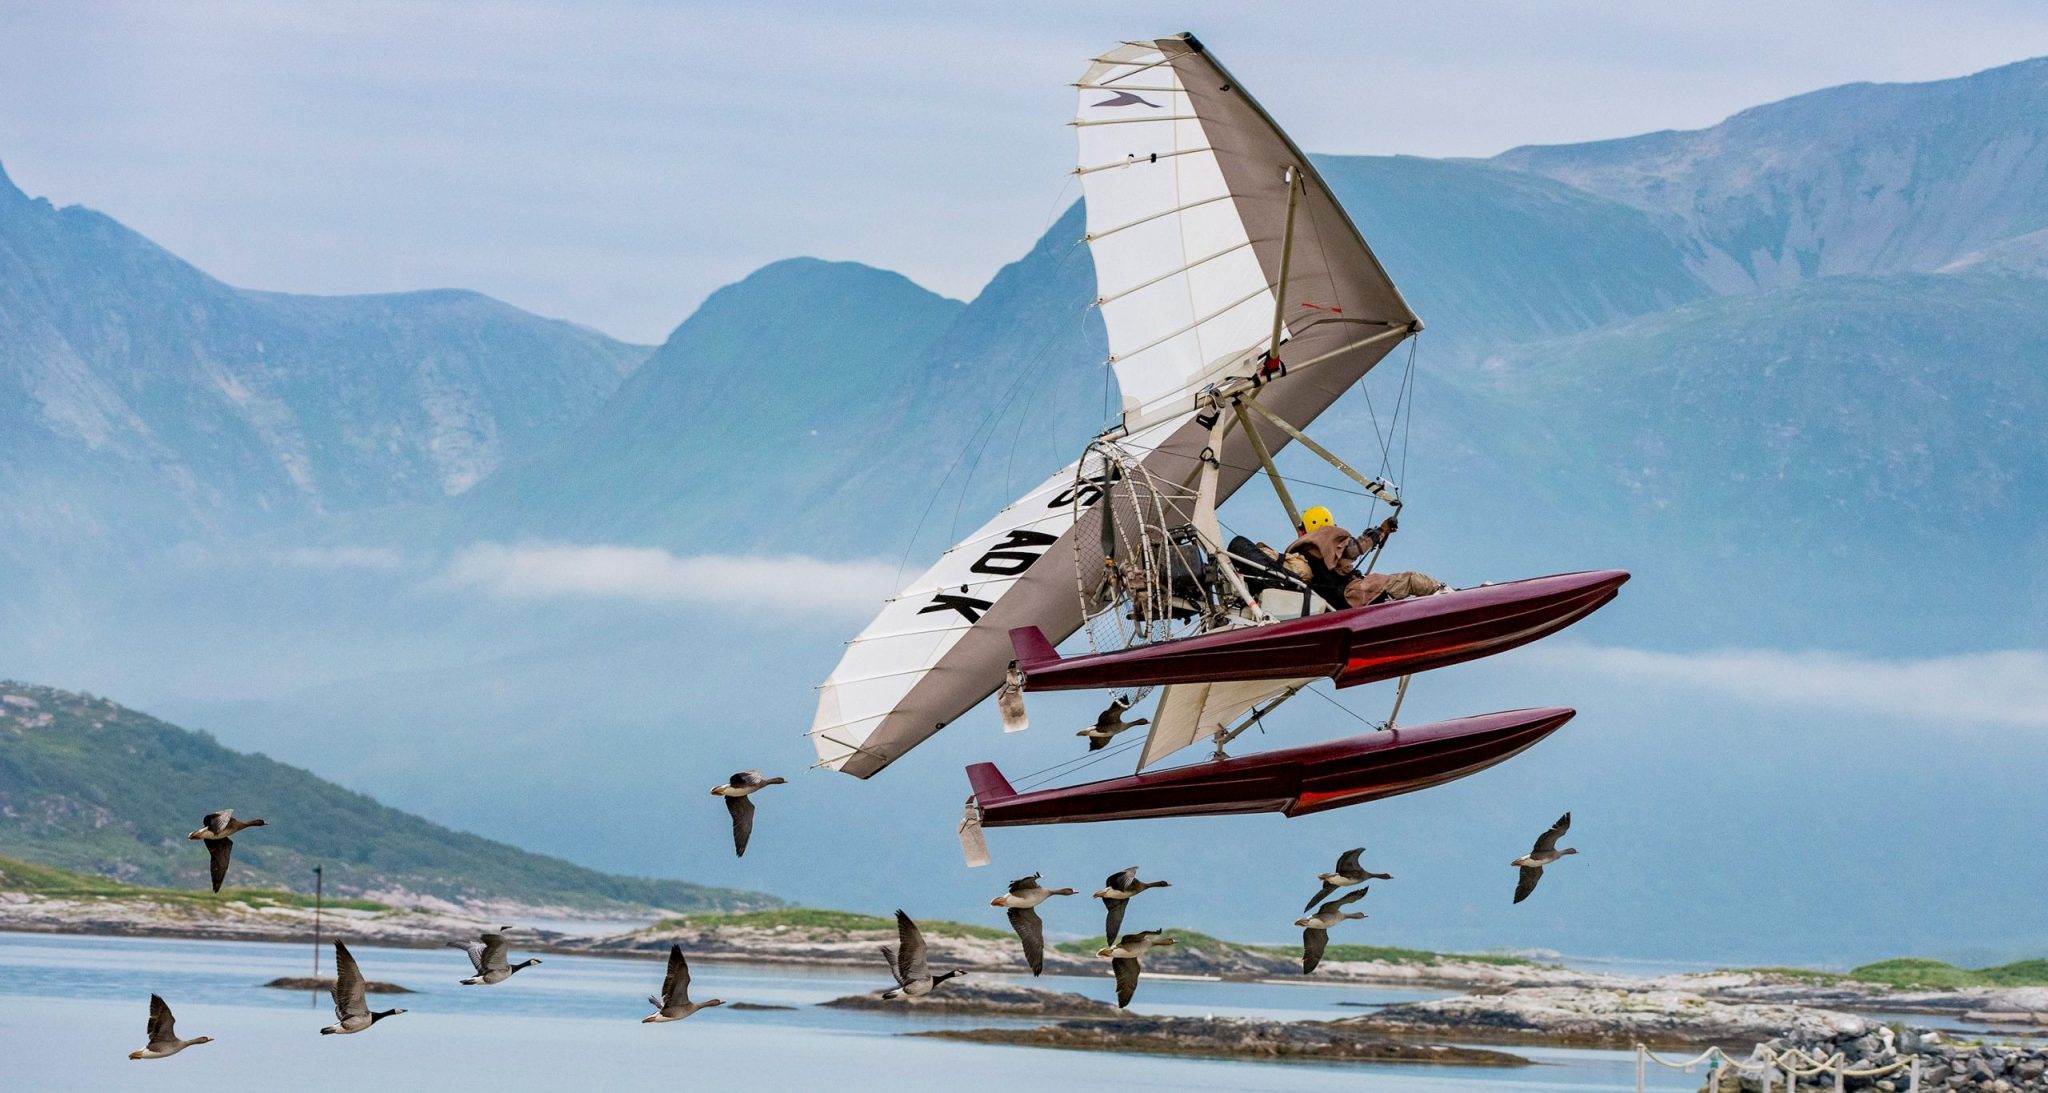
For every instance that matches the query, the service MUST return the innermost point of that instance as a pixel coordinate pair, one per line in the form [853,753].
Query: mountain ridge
[88,785]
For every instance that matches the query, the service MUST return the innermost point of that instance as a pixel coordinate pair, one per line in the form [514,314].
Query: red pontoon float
[1354,646]
[1294,781]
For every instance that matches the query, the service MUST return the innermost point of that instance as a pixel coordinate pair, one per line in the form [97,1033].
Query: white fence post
[1640,1050]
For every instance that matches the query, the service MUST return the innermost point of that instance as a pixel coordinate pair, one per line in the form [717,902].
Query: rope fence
[1791,1066]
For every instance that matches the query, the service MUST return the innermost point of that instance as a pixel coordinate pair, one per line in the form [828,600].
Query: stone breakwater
[1944,1063]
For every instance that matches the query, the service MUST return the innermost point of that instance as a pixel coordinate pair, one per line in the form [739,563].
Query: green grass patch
[1395,955]
[816,918]
[1917,973]
[43,880]
[1801,975]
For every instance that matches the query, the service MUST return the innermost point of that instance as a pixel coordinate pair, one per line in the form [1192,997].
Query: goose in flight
[673,1003]
[1347,873]
[1024,896]
[216,829]
[488,955]
[738,791]
[163,1035]
[1116,893]
[1315,932]
[351,1013]
[1545,853]
[914,978]
[1110,722]
[1124,956]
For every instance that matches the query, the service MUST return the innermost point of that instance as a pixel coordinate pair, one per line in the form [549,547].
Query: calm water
[71,1008]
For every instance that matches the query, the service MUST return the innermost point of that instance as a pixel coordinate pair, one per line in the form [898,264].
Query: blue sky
[613,163]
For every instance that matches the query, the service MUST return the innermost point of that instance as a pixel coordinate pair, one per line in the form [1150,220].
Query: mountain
[142,400]
[782,374]
[1489,256]
[1835,442]
[1866,178]
[90,786]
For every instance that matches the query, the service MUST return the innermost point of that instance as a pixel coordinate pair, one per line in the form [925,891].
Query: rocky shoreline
[1231,1038]
[1500,1001]
[1605,1018]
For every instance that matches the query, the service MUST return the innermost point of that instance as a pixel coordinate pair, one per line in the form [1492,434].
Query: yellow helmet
[1316,517]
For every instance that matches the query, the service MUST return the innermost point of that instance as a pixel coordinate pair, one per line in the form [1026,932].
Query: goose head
[257,823]
[199,1040]
[1062,891]
[943,976]
[1567,850]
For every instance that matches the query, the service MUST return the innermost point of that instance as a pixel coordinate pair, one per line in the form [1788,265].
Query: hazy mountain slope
[140,398]
[1782,467]
[1865,178]
[1488,256]
[773,381]
[88,785]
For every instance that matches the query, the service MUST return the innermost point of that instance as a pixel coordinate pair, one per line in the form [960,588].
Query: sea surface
[71,1008]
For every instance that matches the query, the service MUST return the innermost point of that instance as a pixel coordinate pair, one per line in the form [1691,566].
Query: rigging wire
[988,422]
[1354,716]
[1078,763]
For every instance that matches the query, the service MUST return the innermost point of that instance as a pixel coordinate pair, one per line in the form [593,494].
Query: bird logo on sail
[1125,98]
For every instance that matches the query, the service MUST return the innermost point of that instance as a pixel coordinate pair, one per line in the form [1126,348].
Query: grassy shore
[43,880]
[815,918]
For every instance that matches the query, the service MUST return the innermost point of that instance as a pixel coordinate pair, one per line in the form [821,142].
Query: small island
[326,983]
[1227,1038]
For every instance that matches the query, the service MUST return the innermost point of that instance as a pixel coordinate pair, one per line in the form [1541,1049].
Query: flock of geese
[908,962]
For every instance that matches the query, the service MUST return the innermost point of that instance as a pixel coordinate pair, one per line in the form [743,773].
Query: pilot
[1331,555]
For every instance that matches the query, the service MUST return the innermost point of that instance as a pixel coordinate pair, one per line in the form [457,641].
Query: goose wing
[1024,884]
[475,949]
[1122,881]
[492,956]
[1346,900]
[910,960]
[348,986]
[219,851]
[217,822]
[1031,931]
[162,1027]
[1097,743]
[745,778]
[1319,896]
[1347,863]
[1527,884]
[1126,969]
[889,958]
[1115,921]
[1313,942]
[675,986]
[742,809]
[1547,842]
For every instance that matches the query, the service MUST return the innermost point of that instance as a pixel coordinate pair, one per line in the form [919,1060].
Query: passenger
[1332,554]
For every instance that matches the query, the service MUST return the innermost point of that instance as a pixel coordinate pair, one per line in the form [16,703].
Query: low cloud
[783,583]
[2008,687]
[341,557]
